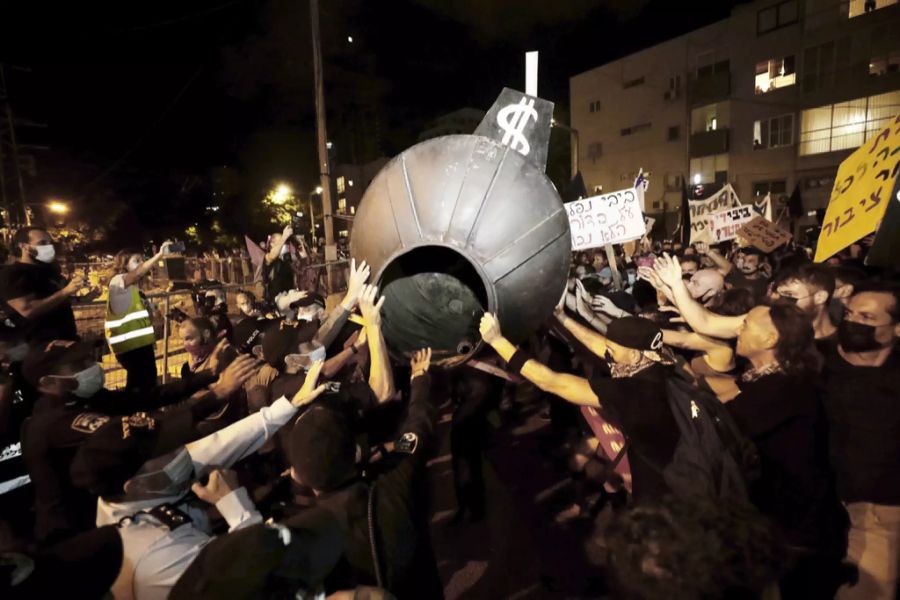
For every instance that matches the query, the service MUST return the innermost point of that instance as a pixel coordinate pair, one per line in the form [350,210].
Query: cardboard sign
[611,441]
[606,219]
[725,224]
[862,192]
[702,209]
[521,122]
[763,234]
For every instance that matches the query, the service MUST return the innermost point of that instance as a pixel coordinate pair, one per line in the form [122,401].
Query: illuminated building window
[846,125]
[340,185]
[775,73]
[861,7]
[884,64]
[342,205]
[773,133]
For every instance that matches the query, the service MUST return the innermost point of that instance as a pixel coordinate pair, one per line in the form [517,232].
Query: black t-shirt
[863,409]
[782,415]
[22,279]
[279,278]
[757,287]
[639,407]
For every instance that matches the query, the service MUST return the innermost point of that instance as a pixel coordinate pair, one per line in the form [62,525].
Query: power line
[165,113]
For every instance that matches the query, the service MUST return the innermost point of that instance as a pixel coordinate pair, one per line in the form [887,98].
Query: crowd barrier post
[165,373]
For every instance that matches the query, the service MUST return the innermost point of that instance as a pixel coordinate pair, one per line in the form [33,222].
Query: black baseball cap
[45,358]
[285,339]
[635,332]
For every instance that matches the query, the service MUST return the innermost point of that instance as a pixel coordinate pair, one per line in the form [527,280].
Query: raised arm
[338,317]
[592,340]
[699,318]
[718,354]
[275,250]
[132,277]
[570,388]
[723,265]
[381,377]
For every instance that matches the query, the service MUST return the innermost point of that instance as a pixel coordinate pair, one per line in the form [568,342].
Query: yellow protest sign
[861,191]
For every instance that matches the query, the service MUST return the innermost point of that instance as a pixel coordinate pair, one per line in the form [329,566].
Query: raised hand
[358,277]
[604,305]
[669,270]
[75,284]
[370,310]
[420,362]
[310,391]
[489,328]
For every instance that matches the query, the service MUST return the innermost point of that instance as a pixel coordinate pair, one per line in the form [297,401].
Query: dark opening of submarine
[434,298]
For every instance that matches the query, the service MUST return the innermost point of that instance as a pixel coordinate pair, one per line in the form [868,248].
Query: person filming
[129,329]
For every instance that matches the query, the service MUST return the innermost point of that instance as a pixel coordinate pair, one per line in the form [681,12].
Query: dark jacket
[52,435]
[400,518]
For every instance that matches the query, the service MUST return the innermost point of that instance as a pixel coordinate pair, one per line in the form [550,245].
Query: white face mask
[90,381]
[45,253]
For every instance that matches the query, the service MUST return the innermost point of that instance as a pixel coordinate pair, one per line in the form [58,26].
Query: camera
[296,221]
[178,315]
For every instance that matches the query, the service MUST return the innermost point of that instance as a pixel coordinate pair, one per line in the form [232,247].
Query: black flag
[685,215]
[795,203]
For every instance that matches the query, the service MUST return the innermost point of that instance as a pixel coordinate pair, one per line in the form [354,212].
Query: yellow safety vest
[131,330]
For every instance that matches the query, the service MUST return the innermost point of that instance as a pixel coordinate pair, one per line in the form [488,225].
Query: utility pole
[322,138]
[10,166]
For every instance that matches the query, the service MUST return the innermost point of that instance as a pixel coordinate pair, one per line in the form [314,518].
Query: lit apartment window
[340,185]
[352,210]
[776,16]
[884,64]
[708,169]
[861,7]
[846,125]
[773,133]
[342,205]
[635,128]
[775,73]
[343,233]
[633,82]
[709,117]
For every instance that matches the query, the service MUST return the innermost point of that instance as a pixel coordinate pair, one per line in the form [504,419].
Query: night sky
[141,98]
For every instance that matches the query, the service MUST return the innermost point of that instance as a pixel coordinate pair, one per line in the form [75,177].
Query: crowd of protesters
[755,396]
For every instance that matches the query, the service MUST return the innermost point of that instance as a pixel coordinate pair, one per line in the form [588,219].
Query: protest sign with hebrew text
[702,209]
[606,219]
[725,224]
[862,191]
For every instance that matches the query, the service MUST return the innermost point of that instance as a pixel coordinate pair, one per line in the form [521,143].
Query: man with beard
[861,396]
[809,287]
[747,274]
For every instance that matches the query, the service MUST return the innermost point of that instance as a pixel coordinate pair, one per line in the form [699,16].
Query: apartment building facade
[774,97]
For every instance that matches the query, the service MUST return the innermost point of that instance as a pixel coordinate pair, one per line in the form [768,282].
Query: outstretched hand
[489,328]
[668,269]
[309,391]
[420,362]
[370,305]
[359,274]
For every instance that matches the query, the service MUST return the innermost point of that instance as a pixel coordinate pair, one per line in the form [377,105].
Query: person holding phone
[129,329]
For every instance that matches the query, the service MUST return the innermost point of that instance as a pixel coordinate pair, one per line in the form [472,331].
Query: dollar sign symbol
[512,120]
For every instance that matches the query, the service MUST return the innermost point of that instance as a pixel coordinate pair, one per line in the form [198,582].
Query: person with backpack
[774,402]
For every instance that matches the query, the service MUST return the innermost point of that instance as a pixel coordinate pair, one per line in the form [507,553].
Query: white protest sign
[701,209]
[725,224]
[606,219]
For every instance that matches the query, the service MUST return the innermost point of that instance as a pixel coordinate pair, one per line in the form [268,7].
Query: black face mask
[857,337]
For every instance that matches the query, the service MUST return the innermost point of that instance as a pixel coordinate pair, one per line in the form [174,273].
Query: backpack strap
[373,544]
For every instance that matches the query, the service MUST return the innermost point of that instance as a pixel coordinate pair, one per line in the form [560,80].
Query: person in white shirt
[161,531]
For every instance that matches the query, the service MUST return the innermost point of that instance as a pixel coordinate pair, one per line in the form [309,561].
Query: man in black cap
[382,517]
[143,473]
[631,394]
[73,405]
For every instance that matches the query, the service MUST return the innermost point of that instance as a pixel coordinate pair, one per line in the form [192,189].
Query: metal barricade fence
[170,353]
[169,348]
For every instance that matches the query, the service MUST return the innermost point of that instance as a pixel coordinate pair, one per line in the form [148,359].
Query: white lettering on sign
[513,119]
[606,219]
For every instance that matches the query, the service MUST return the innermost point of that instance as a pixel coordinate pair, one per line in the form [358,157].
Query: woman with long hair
[129,329]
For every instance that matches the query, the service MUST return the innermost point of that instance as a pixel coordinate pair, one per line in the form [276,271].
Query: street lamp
[281,194]
[57,207]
